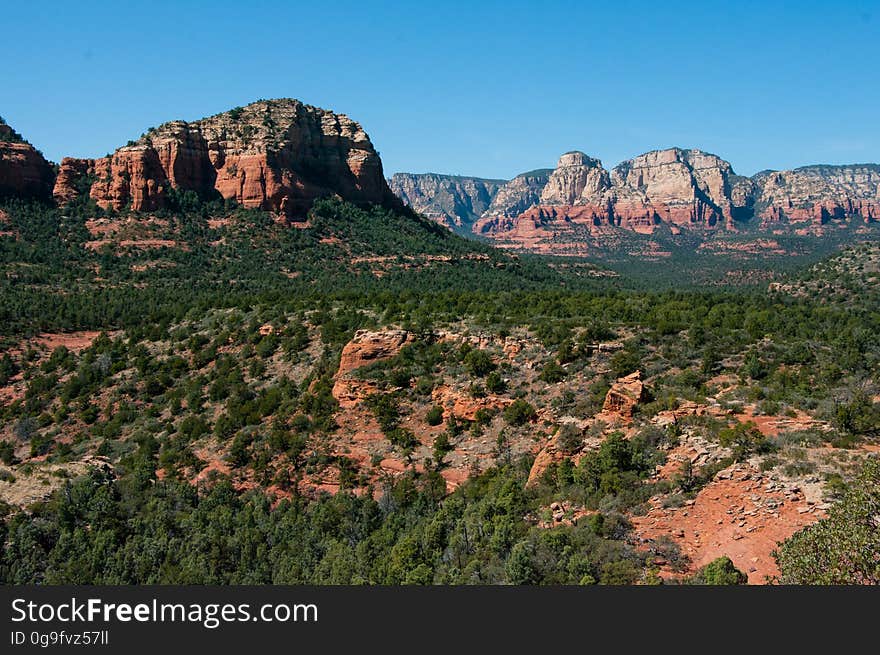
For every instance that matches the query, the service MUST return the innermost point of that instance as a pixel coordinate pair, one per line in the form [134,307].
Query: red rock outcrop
[462,405]
[681,187]
[546,457]
[623,396]
[577,180]
[24,172]
[131,176]
[365,348]
[71,174]
[675,187]
[278,155]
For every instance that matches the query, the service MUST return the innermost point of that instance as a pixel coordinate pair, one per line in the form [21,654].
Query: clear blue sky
[479,88]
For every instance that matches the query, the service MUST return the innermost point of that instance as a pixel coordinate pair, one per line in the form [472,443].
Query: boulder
[366,347]
[624,395]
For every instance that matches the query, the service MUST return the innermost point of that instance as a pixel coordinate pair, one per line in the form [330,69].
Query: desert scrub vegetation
[220,354]
[843,548]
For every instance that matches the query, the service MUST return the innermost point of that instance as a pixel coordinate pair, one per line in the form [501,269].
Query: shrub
[519,412]
[192,428]
[552,373]
[754,367]
[858,416]
[434,415]
[569,438]
[90,414]
[484,416]
[619,572]
[719,572]
[625,362]
[25,428]
[495,383]
[7,453]
[744,439]
[8,369]
[479,363]
[239,452]
[843,548]
[403,439]
[400,378]
[386,410]
[41,444]
[441,447]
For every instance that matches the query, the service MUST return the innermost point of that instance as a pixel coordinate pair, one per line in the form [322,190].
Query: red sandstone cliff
[24,172]
[278,155]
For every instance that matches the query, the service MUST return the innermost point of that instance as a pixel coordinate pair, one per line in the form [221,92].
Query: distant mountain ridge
[282,155]
[677,187]
[452,200]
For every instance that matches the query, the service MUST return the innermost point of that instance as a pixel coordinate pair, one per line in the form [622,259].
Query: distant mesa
[678,188]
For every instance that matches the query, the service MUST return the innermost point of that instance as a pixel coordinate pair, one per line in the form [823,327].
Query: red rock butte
[278,155]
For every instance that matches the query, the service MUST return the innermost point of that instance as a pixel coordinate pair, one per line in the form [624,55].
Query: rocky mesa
[277,155]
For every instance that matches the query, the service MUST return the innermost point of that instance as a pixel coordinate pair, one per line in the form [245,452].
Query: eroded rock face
[575,206]
[278,155]
[24,172]
[521,193]
[692,188]
[450,200]
[131,176]
[73,177]
[819,194]
[678,186]
[577,180]
[675,186]
[365,348]
[464,406]
[546,457]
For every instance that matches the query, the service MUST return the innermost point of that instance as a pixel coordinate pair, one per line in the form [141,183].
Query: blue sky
[478,88]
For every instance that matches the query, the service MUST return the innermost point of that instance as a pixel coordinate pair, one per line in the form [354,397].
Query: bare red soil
[741,514]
